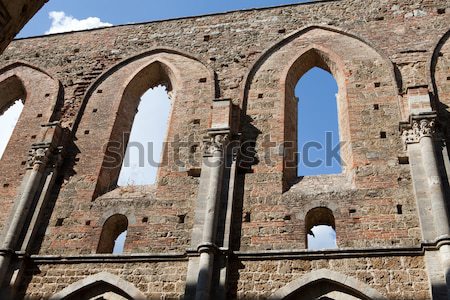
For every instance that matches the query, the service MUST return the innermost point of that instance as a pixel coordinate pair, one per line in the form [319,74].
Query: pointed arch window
[146,139]
[318,129]
[12,99]
[8,120]
[315,110]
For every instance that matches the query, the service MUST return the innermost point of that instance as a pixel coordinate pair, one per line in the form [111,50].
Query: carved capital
[419,126]
[215,142]
[38,155]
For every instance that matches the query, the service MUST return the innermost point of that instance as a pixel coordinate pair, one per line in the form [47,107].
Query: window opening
[144,149]
[8,121]
[320,229]
[113,236]
[317,124]
[119,243]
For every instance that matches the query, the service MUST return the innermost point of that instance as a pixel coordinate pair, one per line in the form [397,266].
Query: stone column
[37,161]
[214,160]
[422,130]
[42,157]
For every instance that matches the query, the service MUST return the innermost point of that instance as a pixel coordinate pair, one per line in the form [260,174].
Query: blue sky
[135,11]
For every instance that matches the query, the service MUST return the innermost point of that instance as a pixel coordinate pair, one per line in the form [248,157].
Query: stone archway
[100,286]
[325,284]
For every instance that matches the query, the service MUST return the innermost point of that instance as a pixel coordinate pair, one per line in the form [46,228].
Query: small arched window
[113,236]
[320,229]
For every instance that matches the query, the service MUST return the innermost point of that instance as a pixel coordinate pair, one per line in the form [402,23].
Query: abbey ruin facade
[228,216]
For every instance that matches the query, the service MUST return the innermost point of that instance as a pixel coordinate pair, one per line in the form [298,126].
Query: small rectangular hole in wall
[399,209]
[39,116]
[33,137]
[352,211]
[194,148]
[383,134]
[47,95]
[212,59]
[260,96]
[99,91]
[448,78]
[144,219]
[59,222]
[403,160]
[206,38]
[379,18]
[376,106]
[287,218]
[196,121]
[23,162]
[181,218]
[282,30]
[441,11]
[88,222]
[246,217]
[194,172]
[201,80]
[5,185]
[377,84]
[94,110]
[86,132]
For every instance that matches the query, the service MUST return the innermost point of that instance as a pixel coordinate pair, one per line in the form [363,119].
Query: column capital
[418,126]
[215,141]
[39,154]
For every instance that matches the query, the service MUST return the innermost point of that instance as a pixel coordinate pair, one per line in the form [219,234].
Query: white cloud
[64,23]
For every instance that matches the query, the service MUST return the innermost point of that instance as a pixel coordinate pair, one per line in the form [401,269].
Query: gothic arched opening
[314,112]
[317,124]
[146,139]
[12,98]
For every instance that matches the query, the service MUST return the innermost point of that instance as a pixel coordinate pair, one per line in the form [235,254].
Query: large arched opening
[315,113]
[146,139]
[12,97]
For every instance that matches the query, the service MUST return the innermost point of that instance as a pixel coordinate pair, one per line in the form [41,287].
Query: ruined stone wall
[395,277]
[155,279]
[376,51]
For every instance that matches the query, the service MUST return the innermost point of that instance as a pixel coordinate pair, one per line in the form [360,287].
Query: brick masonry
[91,82]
